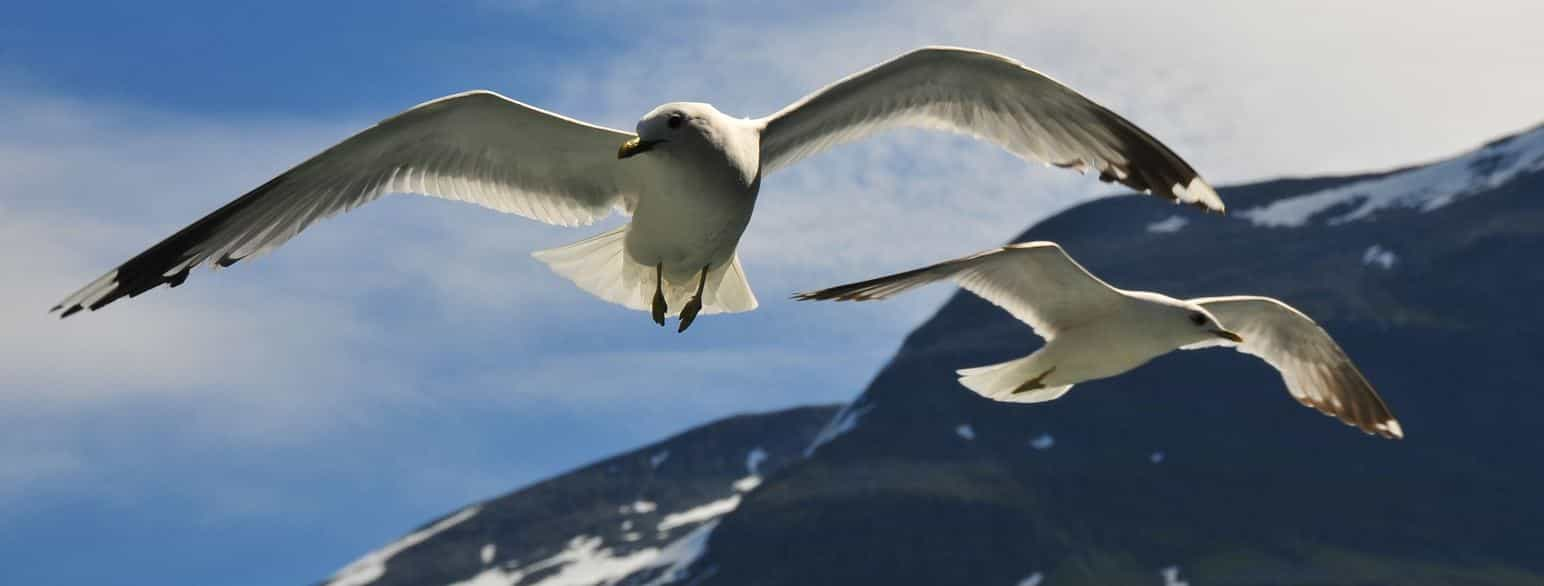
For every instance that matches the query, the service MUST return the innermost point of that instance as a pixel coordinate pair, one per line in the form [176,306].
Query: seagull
[1094,331]
[688,177]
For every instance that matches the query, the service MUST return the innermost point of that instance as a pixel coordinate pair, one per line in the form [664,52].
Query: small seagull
[1094,331]
[688,177]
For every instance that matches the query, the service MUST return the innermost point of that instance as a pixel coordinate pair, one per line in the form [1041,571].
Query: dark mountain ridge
[1197,466]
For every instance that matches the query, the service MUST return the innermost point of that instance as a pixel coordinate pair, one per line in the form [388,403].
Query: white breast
[694,204]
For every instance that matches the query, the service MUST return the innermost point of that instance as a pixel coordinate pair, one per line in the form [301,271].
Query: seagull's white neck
[727,150]
[741,145]
[1164,319]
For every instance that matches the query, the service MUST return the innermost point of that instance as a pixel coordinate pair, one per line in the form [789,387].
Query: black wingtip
[832,294]
[74,309]
[843,293]
[181,276]
[148,269]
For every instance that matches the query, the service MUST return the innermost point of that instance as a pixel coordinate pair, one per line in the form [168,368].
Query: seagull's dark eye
[675,120]
[1197,318]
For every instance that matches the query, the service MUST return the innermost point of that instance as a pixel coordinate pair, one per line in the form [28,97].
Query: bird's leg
[1034,384]
[659,294]
[693,306]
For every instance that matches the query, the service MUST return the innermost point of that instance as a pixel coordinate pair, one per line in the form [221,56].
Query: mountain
[643,512]
[1196,468]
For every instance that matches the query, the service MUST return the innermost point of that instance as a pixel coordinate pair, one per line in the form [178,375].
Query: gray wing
[477,147]
[1317,372]
[1035,281]
[990,97]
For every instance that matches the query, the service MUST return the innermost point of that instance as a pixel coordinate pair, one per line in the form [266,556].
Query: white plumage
[989,97]
[1316,370]
[689,177]
[1094,331]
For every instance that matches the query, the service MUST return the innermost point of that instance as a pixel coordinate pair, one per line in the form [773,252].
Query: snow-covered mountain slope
[1195,469]
[642,516]
[1425,188]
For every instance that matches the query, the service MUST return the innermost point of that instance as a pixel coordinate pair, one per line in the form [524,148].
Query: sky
[270,423]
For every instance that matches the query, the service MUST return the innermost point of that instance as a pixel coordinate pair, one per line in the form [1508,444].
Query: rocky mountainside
[1196,468]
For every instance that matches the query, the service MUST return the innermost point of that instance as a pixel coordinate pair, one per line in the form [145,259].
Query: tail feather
[999,382]
[728,291]
[597,265]
[600,265]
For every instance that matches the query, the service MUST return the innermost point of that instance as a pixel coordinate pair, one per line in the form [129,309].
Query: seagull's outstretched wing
[1317,372]
[478,147]
[1035,281]
[990,97]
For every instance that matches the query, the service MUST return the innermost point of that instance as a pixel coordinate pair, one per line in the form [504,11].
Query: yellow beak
[1229,336]
[634,146]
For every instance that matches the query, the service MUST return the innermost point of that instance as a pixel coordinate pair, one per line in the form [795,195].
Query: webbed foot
[694,305]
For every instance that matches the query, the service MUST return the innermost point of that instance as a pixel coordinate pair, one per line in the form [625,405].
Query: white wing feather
[478,147]
[990,97]
[1316,371]
[1035,281]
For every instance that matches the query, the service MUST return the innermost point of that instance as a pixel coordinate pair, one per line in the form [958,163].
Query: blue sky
[268,424]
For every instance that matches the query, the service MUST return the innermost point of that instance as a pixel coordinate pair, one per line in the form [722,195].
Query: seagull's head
[671,126]
[1186,323]
[1201,326]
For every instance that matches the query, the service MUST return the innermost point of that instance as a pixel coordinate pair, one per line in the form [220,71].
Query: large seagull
[689,177]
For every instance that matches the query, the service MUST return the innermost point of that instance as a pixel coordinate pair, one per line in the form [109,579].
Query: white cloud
[167,344]
[249,361]
[81,188]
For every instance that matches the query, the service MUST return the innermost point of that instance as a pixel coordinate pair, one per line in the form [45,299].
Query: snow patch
[631,536]
[1427,188]
[487,553]
[1380,256]
[845,421]
[585,563]
[747,484]
[372,566]
[1168,225]
[1156,458]
[682,552]
[965,431]
[1042,442]
[1032,579]
[659,458]
[628,524]
[698,513]
[1171,577]
[640,506]
[752,479]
